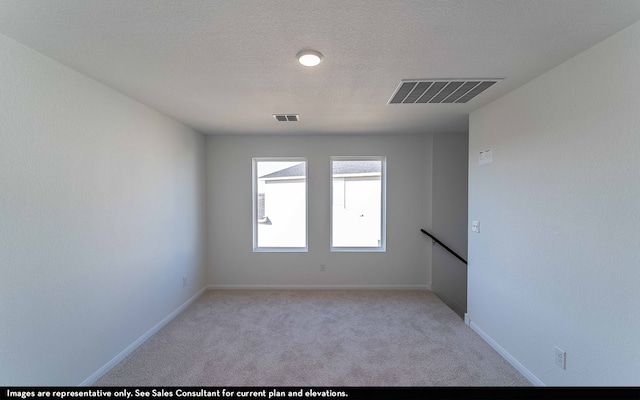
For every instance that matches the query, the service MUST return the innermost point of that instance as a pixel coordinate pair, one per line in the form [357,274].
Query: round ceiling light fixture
[309,58]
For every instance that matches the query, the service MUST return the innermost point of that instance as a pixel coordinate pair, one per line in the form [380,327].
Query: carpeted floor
[315,338]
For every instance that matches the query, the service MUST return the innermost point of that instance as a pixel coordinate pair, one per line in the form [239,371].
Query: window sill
[358,249]
[281,250]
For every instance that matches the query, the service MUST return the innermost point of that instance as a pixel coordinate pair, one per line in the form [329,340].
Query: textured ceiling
[225,67]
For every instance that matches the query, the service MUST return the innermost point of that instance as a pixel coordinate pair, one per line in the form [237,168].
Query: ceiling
[225,67]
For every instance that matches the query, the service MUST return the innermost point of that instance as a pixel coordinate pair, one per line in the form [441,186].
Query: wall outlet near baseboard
[475,226]
[323,267]
[561,358]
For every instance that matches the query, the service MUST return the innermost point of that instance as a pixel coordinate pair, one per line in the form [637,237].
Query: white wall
[450,167]
[557,259]
[406,264]
[101,215]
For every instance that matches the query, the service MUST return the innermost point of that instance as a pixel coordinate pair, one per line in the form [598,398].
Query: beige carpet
[315,338]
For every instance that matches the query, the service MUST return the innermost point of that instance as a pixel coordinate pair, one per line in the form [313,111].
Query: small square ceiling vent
[439,91]
[286,117]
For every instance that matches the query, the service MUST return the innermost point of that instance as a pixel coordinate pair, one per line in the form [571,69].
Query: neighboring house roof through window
[356,167]
[293,171]
[339,168]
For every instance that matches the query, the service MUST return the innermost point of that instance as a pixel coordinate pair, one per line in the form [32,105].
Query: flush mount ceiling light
[309,58]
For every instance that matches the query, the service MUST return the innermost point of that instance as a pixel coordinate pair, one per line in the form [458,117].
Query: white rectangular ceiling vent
[286,117]
[439,90]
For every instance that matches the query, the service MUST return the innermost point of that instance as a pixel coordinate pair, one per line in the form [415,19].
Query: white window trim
[383,206]
[254,206]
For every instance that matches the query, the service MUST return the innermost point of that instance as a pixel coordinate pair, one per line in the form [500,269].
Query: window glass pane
[280,204]
[357,203]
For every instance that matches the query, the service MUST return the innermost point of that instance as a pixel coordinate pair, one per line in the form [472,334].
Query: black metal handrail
[435,239]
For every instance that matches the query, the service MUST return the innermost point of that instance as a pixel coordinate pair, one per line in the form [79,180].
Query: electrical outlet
[184,281]
[323,267]
[475,226]
[561,358]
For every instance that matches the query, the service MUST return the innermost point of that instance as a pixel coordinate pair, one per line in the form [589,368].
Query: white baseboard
[115,360]
[319,287]
[505,354]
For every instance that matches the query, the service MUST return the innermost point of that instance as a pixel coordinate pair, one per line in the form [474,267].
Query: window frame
[254,205]
[383,206]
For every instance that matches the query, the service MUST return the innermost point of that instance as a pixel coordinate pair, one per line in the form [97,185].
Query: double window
[357,204]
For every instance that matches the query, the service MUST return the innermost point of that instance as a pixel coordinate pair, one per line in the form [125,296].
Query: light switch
[475,226]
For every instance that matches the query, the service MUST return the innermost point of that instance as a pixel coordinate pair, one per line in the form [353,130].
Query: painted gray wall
[101,215]
[406,264]
[556,260]
[450,169]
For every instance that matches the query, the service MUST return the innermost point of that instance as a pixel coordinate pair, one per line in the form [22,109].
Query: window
[279,204]
[358,210]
